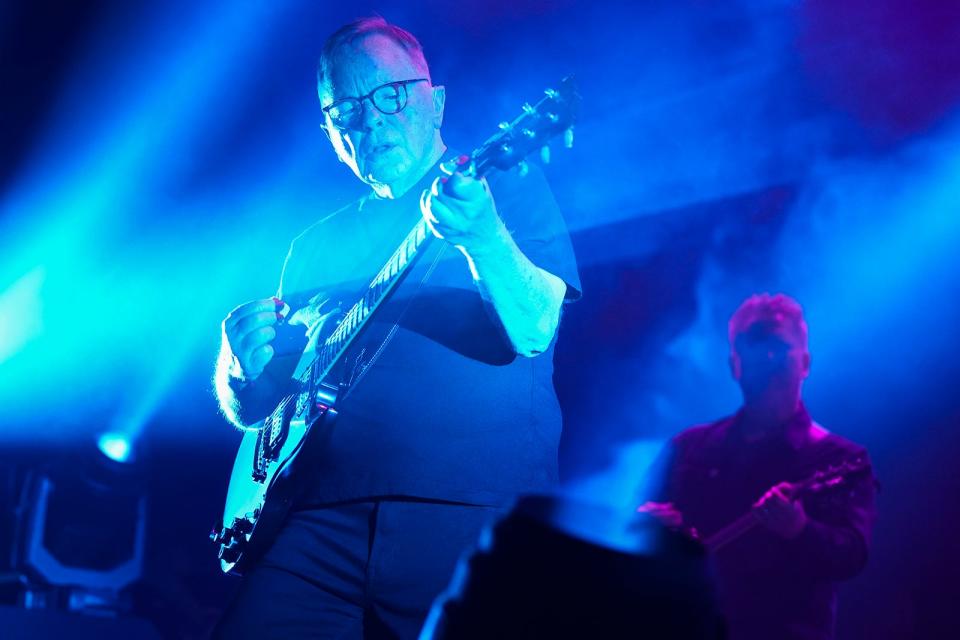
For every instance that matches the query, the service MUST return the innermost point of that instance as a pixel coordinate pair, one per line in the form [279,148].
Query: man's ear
[439,100]
[326,131]
[806,364]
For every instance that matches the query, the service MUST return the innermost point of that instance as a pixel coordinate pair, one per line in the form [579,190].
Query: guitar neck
[746,522]
[731,532]
[381,285]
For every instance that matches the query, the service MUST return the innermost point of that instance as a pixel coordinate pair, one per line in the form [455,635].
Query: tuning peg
[524,168]
[529,133]
[528,109]
[568,138]
[504,126]
[545,154]
[551,93]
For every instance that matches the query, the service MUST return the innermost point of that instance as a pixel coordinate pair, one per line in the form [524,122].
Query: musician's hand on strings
[247,332]
[461,210]
[779,512]
[665,512]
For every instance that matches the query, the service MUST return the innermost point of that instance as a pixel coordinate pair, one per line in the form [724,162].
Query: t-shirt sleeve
[531,214]
[306,269]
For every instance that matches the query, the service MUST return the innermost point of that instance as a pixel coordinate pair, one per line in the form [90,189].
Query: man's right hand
[248,331]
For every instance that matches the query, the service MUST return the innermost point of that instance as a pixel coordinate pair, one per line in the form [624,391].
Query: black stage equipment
[557,568]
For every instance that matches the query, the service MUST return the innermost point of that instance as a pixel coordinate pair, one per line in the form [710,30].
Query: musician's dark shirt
[446,410]
[771,587]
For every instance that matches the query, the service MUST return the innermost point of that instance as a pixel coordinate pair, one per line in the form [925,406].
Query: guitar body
[265,482]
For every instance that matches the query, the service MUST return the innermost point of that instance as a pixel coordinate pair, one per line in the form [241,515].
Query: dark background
[156,160]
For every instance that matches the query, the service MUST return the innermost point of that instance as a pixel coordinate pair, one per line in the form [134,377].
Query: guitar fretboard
[380,286]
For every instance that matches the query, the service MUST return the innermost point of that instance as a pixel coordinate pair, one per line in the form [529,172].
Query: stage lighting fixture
[82,528]
[115,446]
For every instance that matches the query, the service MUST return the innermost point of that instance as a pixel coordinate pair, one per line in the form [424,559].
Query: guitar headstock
[533,129]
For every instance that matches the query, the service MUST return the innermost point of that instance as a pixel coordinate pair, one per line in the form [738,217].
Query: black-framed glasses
[388,99]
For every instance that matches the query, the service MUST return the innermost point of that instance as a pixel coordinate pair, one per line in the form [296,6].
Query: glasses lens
[343,113]
[390,98]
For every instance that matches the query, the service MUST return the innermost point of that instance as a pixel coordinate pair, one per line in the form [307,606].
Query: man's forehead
[366,63]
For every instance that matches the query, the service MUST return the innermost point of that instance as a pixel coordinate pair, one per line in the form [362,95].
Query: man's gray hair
[779,309]
[361,28]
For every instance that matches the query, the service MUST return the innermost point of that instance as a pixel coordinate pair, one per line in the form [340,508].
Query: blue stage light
[115,446]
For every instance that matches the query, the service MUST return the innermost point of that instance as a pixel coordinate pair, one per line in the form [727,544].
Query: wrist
[488,242]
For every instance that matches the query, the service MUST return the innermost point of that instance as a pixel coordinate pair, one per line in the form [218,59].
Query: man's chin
[382,177]
[776,405]
[384,172]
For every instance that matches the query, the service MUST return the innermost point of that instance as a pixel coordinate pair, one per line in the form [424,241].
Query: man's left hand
[779,512]
[460,209]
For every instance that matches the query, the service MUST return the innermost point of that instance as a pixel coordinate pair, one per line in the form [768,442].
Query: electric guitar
[266,476]
[830,478]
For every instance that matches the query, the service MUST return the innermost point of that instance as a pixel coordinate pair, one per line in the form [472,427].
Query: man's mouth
[381,148]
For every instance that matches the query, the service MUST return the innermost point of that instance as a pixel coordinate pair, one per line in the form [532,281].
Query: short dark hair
[762,307]
[361,28]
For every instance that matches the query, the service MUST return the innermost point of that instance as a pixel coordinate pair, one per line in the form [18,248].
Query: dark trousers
[354,570]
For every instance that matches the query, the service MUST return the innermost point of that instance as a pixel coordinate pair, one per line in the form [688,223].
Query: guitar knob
[545,154]
[230,552]
[244,526]
[524,169]
[568,138]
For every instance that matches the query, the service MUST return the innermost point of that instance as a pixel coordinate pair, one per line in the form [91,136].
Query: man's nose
[370,116]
